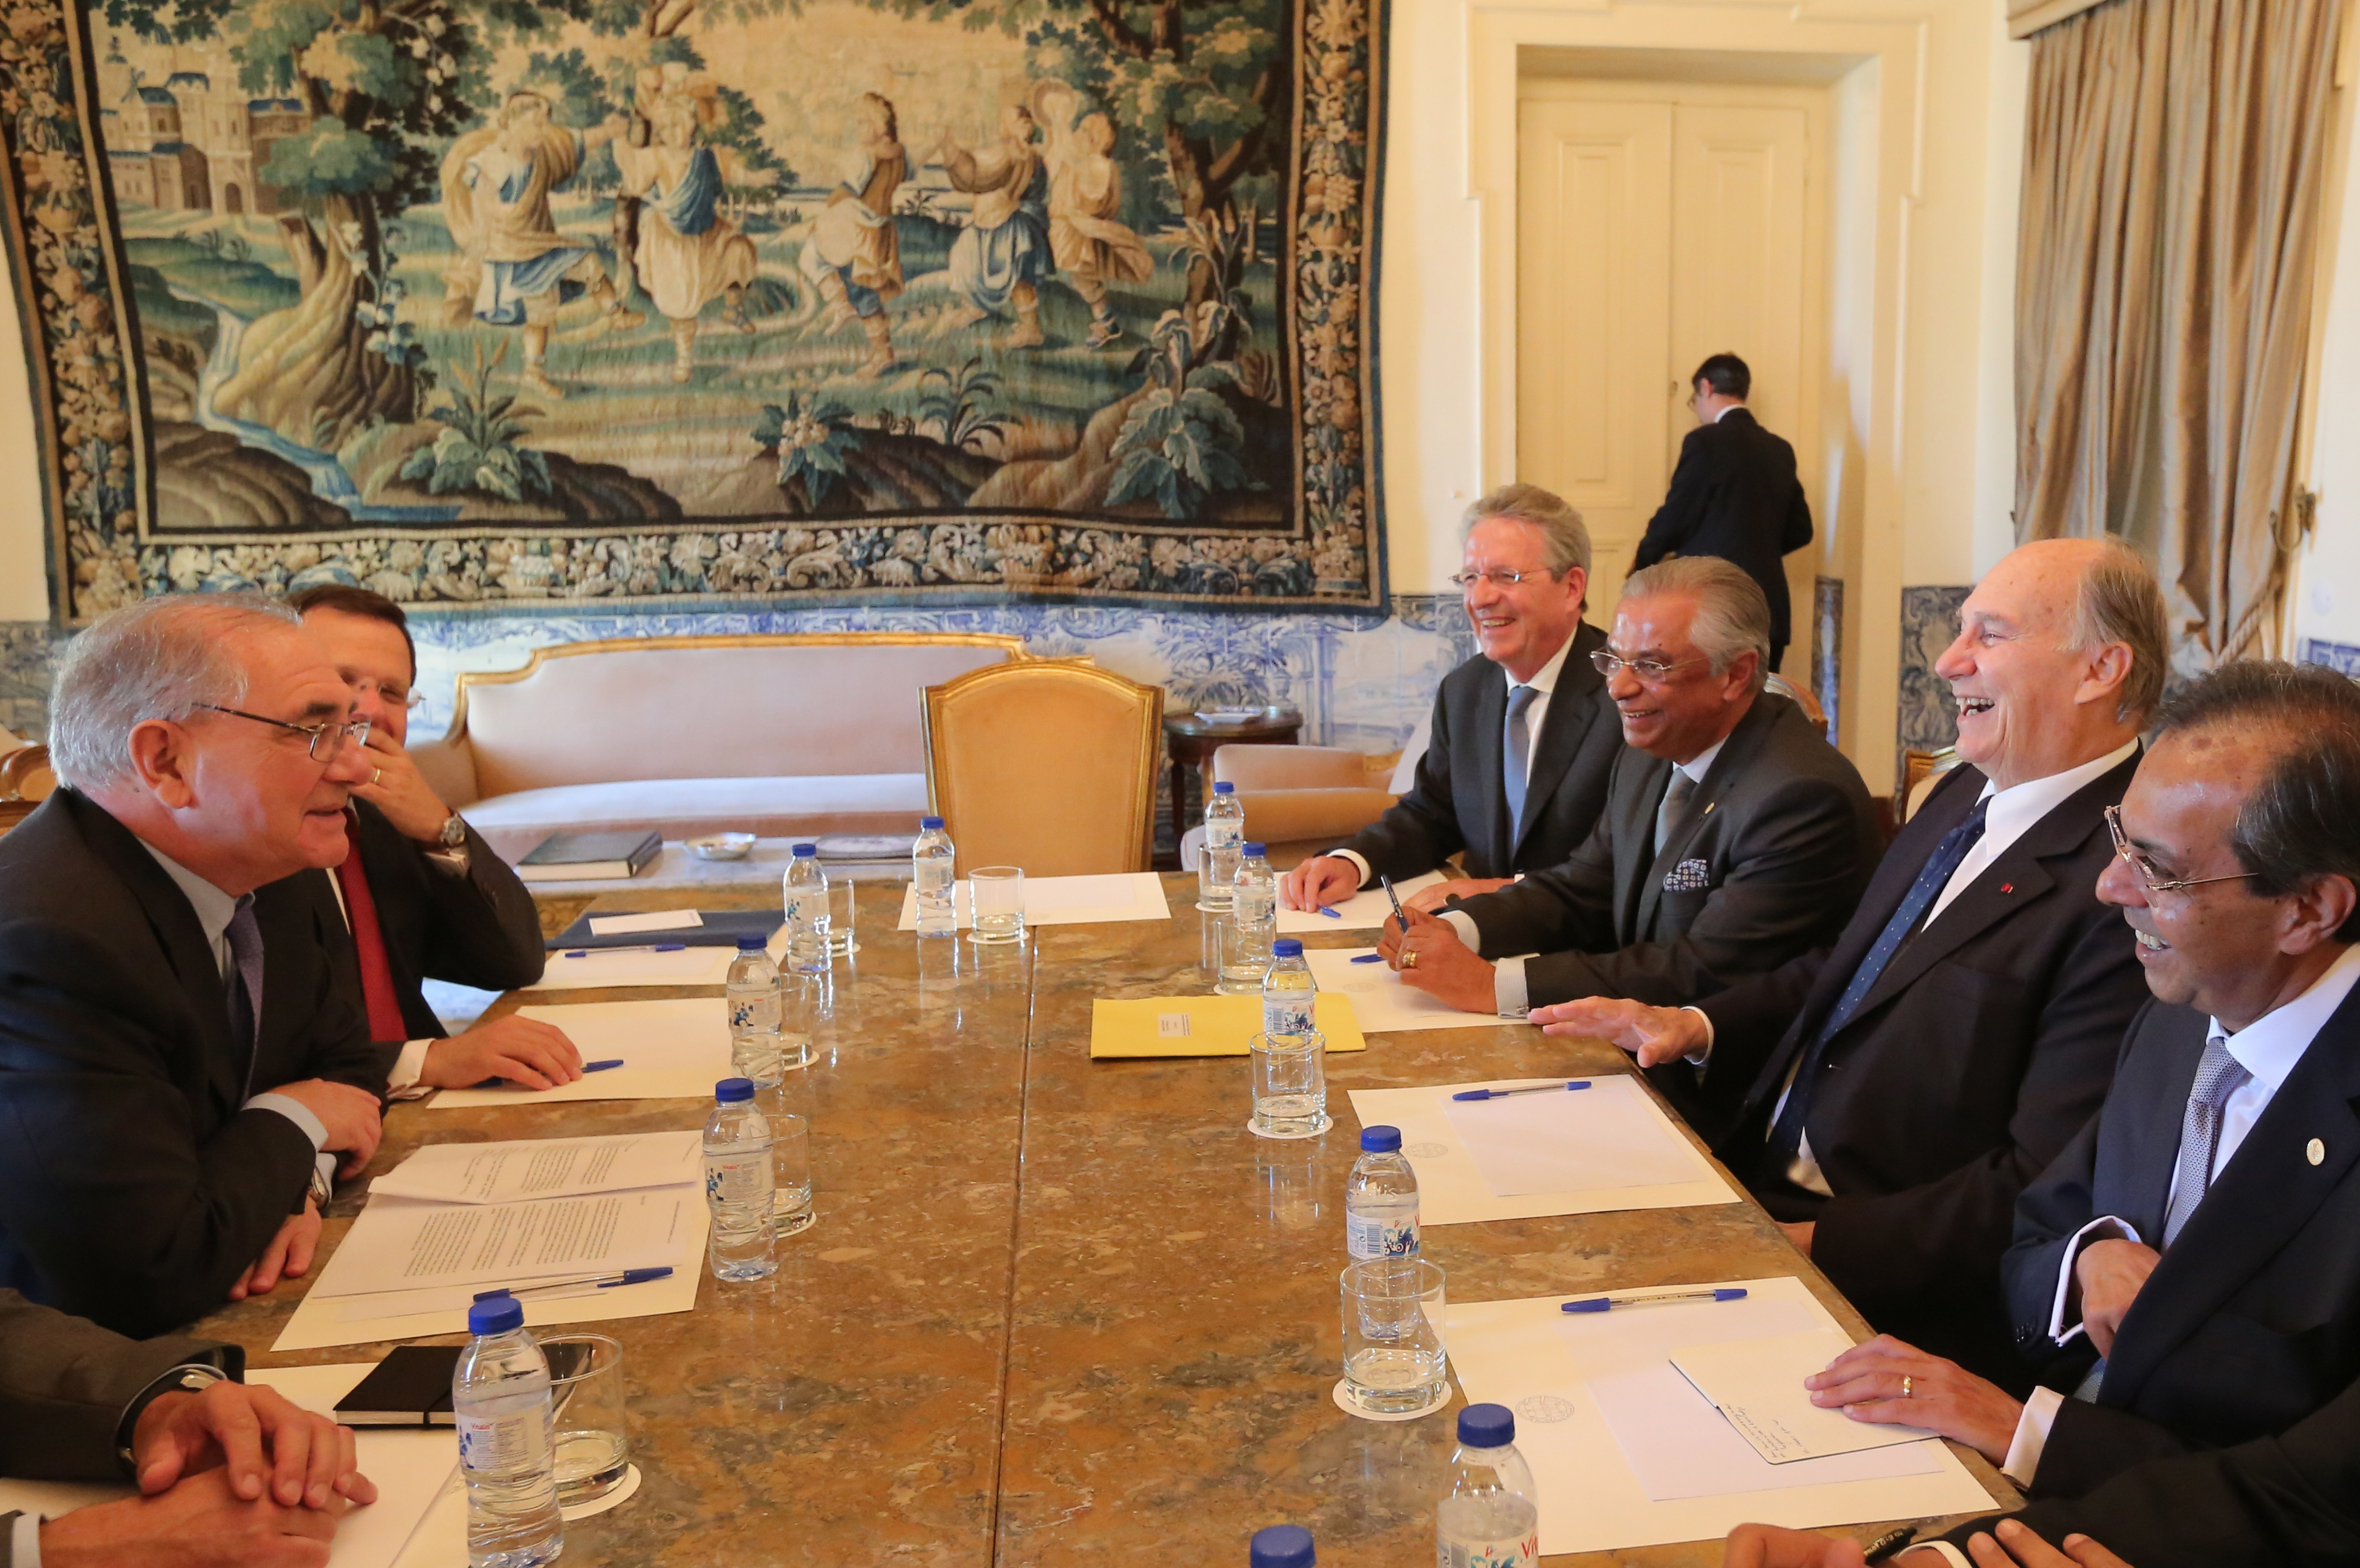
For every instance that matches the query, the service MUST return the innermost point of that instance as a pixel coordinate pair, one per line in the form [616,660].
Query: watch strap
[191,1378]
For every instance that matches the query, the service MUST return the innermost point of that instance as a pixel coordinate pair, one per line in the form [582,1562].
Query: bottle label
[1373,1235]
[499,1445]
[1225,832]
[738,1175]
[933,876]
[1523,1554]
[1289,1016]
[1255,905]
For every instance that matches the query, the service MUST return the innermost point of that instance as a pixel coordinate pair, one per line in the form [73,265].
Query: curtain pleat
[2174,155]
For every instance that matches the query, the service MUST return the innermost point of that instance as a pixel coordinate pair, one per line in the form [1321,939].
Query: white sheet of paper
[612,966]
[1451,1187]
[1364,911]
[544,1168]
[398,1243]
[1580,1140]
[1065,901]
[1382,1002]
[1546,1365]
[673,1050]
[1758,1385]
[654,920]
[411,1469]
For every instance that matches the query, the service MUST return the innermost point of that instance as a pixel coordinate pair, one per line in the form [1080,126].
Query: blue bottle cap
[733,1090]
[930,824]
[1255,849]
[1487,1426]
[1381,1140]
[1287,948]
[751,942]
[1282,1546]
[495,1315]
[804,849]
[1225,787]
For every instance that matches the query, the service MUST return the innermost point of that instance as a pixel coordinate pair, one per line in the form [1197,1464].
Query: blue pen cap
[1287,948]
[804,849]
[495,1315]
[733,1090]
[930,824]
[1225,787]
[1487,1426]
[1282,1546]
[1381,1140]
[751,942]
[1254,848]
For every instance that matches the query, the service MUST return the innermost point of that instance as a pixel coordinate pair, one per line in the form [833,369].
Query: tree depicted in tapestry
[477,301]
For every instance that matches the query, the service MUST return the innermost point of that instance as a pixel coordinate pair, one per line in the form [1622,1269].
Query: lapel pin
[2007,887]
[2315,1152]
[1709,806]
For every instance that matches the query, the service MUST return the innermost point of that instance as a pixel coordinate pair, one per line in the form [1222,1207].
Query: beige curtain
[2173,158]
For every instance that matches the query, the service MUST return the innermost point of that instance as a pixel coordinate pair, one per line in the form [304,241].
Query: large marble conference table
[1053,1311]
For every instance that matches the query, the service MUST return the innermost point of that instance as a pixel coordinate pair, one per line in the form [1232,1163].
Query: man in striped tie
[2189,1268]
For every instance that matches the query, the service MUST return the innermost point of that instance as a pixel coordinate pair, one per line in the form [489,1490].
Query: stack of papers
[1204,1026]
[676,1049]
[1064,900]
[1382,1002]
[1362,912]
[412,1263]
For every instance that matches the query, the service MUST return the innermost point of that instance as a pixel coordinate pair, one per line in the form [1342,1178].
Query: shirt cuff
[1463,923]
[2113,1229]
[1703,1053]
[1509,993]
[296,1112]
[2032,1429]
[409,1067]
[1366,876]
[25,1541]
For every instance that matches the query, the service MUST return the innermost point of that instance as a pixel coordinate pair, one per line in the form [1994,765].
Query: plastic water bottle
[804,897]
[933,867]
[1225,831]
[1490,1516]
[1381,1198]
[753,988]
[1288,991]
[507,1441]
[738,1184]
[1253,917]
[1281,1546]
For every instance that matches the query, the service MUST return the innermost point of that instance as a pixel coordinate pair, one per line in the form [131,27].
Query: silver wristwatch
[450,851]
[322,1191]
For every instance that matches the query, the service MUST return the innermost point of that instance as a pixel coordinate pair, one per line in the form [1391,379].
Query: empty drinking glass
[585,1388]
[840,901]
[791,1168]
[1393,1359]
[1290,1085]
[999,895]
[799,1010]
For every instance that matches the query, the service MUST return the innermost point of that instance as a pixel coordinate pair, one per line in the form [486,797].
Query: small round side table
[1193,741]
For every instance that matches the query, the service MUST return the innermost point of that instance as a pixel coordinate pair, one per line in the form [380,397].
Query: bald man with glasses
[180,1075]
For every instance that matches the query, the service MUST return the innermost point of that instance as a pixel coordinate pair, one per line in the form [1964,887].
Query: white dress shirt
[2268,1049]
[2008,815]
[1544,682]
[1510,995]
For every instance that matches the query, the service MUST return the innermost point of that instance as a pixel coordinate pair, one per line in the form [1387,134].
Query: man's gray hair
[162,658]
[2119,601]
[1731,615]
[1564,539]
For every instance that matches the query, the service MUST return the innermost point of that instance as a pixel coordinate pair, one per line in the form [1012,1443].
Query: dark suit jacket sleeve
[1922,1238]
[1797,530]
[1420,831]
[82,1134]
[1563,906]
[64,1384]
[1799,857]
[2280,1502]
[1674,523]
[1752,1016]
[482,928]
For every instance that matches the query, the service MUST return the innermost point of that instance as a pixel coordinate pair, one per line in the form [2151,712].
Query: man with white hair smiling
[178,1068]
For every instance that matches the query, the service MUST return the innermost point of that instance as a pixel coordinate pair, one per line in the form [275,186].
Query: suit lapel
[1736,759]
[1572,709]
[1490,719]
[1640,780]
[2266,1194]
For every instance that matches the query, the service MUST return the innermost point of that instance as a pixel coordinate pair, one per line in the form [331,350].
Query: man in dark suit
[1894,1094]
[2189,1268]
[178,1067]
[422,896]
[78,1403]
[1734,494]
[1514,770]
[1734,836]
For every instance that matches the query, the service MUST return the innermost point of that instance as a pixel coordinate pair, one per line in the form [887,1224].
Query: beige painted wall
[24,575]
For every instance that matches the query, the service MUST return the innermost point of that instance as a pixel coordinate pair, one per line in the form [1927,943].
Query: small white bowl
[1229,715]
[722,846]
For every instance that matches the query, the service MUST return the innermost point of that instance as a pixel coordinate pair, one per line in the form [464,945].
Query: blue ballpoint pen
[1332,914]
[1606,1303]
[646,947]
[587,1067]
[1534,1089]
[603,1281]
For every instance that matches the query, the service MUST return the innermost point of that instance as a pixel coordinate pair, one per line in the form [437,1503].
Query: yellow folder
[1206,1025]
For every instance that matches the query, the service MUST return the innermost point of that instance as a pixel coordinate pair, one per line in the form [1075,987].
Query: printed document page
[546,1168]
[401,1244]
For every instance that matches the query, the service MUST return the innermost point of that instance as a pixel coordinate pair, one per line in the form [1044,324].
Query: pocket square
[1688,876]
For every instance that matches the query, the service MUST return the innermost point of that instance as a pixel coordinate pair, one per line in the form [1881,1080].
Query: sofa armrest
[449,766]
[1281,816]
[1256,767]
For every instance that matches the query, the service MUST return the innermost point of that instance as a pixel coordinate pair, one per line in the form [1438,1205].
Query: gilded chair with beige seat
[1045,763]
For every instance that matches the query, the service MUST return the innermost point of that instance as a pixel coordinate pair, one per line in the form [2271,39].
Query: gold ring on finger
[376,774]
[1409,960]
[1904,1387]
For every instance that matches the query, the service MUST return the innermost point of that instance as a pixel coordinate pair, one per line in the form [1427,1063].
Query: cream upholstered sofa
[786,736]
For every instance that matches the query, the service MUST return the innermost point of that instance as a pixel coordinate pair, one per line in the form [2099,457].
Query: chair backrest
[1045,763]
[1921,771]
[26,775]
[1801,698]
[1251,766]
[757,706]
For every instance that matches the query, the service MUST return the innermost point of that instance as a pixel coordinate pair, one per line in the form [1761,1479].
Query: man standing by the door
[1734,493]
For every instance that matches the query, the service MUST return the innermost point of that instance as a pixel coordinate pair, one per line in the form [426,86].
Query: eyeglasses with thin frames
[393,696]
[1648,670]
[2153,880]
[1499,578]
[334,737]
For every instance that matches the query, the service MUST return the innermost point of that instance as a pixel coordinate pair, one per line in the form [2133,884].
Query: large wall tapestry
[484,302]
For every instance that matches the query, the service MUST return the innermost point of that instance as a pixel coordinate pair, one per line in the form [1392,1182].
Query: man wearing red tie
[424,896]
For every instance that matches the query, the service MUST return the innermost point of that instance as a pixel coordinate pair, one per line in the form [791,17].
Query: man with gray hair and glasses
[179,1071]
[1514,769]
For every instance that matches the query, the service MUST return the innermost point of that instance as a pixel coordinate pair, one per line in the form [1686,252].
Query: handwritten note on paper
[1757,1386]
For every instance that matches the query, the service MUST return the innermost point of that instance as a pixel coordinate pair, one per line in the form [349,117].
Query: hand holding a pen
[2017,1546]
[1430,956]
[1319,882]
[522,1050]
